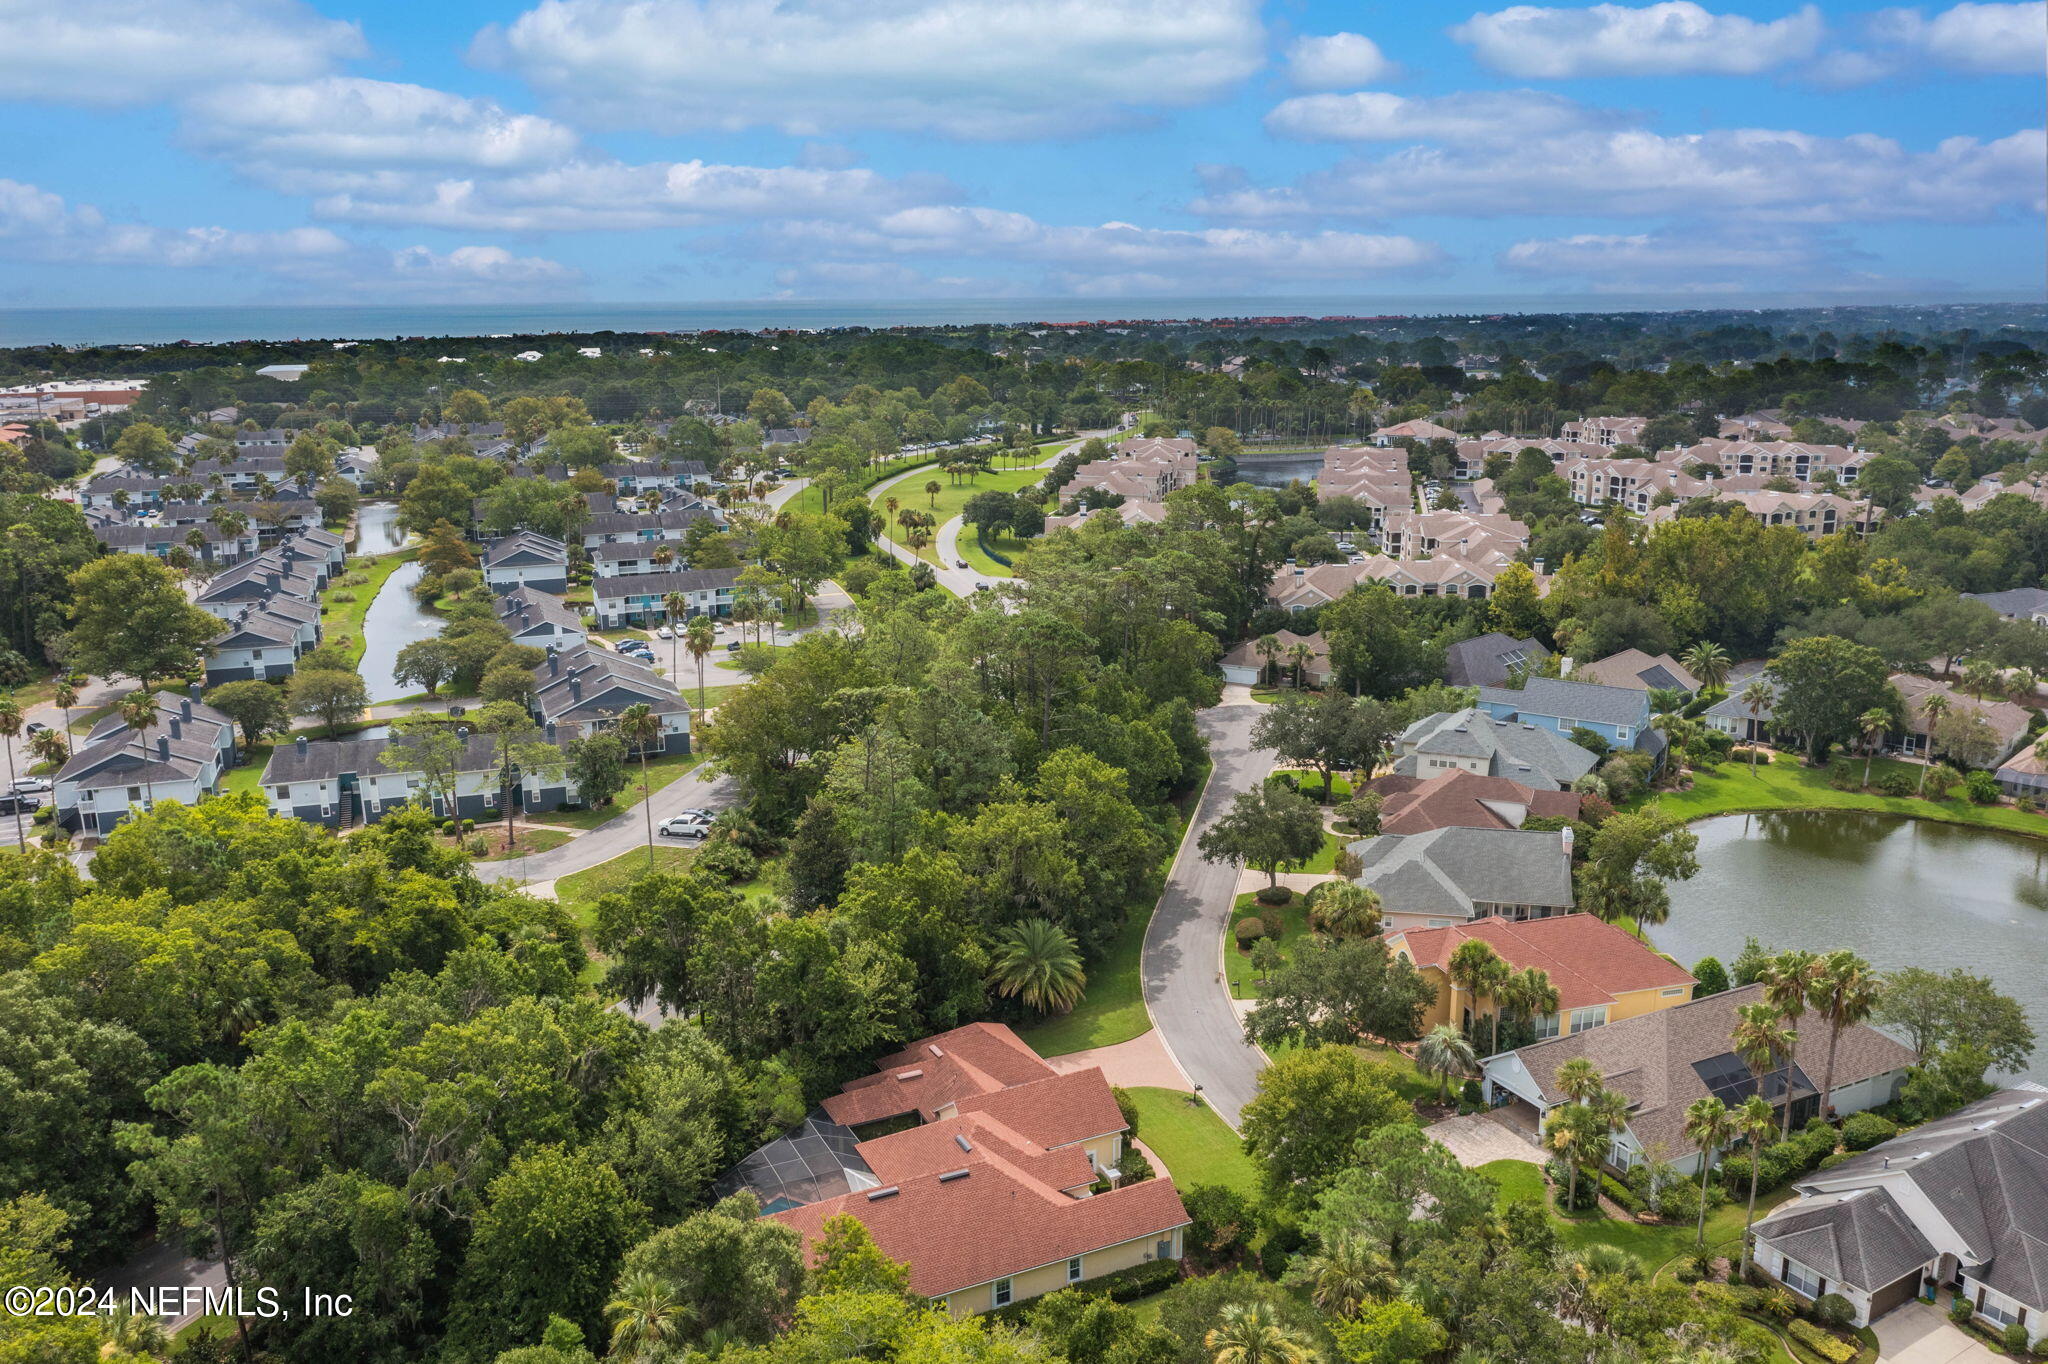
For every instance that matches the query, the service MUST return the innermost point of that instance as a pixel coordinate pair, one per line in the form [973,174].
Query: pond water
[394,621]
[1278,472]
[377,529]
[1900,892]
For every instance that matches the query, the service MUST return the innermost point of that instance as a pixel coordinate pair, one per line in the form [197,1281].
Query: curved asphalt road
[1183,961]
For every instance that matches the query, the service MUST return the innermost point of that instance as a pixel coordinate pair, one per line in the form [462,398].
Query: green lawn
[344,619]
[1237,964]
[249,776]
[580,891]
[1114,1008]
[1655,1245]
[1311,784]
[1787,785]
[531,841]
[952,496]
[1194,1145]
[1325,861]
[1009,546]
[811,500]
[660,772]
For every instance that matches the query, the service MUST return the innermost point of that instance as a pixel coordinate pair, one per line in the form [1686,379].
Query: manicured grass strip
[947,503]
[1009,546]
[1788,785]
[339,618]
[531,841]
[580,891]
[1519,1181]
[1194,1145]
[812,500]
[249,776]
[1654,1245]
[1237,963]
[1114,1008]
[1324,861]
[660,772]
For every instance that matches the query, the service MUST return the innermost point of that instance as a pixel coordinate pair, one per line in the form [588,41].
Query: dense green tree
[1267,827]
[730,1268]
[129,617]
[257,708]
[1313,1105]
[1335,991]
[1824,685]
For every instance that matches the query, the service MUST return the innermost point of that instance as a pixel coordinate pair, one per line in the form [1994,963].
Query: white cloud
[1676,37]
[37,225]
[1726,259]
[1116,251]
[1469,116]
[1779,176]
[347,121]
[1971,37]
[1337,61]
[139,51]
[480,271]
[1025,68]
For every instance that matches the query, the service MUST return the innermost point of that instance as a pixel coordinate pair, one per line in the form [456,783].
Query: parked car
[35,727]
[680,827]
[733,647]
[663,632]
[20,802]
[31,784]
[959,563]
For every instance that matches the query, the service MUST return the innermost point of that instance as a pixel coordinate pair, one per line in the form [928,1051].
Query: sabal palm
[1035,960]
[1843,990]
[1982,675]
[1579,1079]
[1251,1333]
[138,711]
[1528,994]
[640,727]
[48,746]
[1300,655]
[677,605]
[1761,1038]
[700,636]
[1269,649]
[1708,1125]
[1874,724]
[1346,1274]
[1708,662]
[1933,708]
[1478,970]
[10,729]
[1786,979]
[1443,1052]
[1572,1131]
[932,489]
[1758,698]
[1754,1123]
[1345,910]
[66,696]
[646,1318]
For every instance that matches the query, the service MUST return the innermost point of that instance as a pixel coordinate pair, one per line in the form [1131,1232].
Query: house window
[1593,1017]
[1673,993]
[1802,1280]
[284,793]
[1994,1308]
[1546,1026]
[1074,1270]
[134,794]
[999,1293]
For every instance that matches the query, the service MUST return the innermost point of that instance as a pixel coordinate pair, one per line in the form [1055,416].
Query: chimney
[1567,832]
[1538,566]
[299,745]
[163,748]
[575,689]
[193,691]
[185,707]
[554,662]
[177,730]
[547,731]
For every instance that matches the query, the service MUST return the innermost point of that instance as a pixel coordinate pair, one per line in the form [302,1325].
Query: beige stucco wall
[1044,1279]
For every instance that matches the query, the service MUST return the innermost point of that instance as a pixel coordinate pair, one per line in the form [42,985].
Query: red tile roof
[1590,962]
[1056,1111]
[1464,800]
[980,1058]
[935,1148]
[993,1222]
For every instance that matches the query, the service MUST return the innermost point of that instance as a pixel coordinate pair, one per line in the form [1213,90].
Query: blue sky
[246,151]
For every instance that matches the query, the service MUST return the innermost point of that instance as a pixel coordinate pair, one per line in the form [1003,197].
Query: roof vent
[909,1074]
[947,1178]
[886,1191]
[2029,1104]
[1986,1125]
[933,1049]
[960,1140]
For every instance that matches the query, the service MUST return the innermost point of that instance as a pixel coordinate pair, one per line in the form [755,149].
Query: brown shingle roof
[1465,799]
[1590,962]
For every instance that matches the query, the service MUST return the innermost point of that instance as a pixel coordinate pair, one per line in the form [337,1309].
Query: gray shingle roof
[2018,602]
[1519,751]
[661,584]
[326,759]
[1484,660]
[1555,698]
[1862,1238]
[1446,871]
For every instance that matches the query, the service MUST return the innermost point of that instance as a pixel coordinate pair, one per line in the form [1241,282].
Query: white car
[31,785]
[682,826]
[663,632]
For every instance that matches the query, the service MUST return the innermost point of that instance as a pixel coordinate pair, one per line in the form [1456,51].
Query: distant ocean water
[114,326]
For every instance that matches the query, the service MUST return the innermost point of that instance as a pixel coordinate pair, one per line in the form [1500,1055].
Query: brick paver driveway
[1919,1334]
[1479,1138]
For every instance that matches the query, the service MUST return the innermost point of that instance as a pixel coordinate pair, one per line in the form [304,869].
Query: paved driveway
[1920,1334]
[1183,961]
[1480,1138]
[621,834]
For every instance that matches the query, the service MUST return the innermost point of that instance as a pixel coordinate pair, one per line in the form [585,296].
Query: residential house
[158,539]
[1299,587]
[1418,429]
[2018,603]
[1602,974]
[671,523]
[1811,514]
[634,557]
[263,641]
[1732,715]
[1140,470]
[1380,480]
[1959,1201]
[1454,875]
[1466,799]
[642,598]
[345,782]
[1620,715]
[2007,721]
[196,721]
[1247,666]
[1473,741]
[280,571]
[540,619]
[583,690]
[2024,774]
[1607,431]
[102,782]
[1491,660]
[1493,541]
[1661,1062]
[1635,670]
[1132,511]
[526,559]
[990,1194]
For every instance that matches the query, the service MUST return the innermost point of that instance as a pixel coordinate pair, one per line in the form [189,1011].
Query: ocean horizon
[305,322]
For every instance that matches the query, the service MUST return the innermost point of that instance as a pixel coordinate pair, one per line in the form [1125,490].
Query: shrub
[448,827]
[1865,1130]
[2026,805]
[727,862]
[1896,784]
[1135,1281]
[1960,1311]
[1833,1310]
[2016,1338]
[1762,756]
[1778,1302]
[1845,776]
[476,845]
[1222,1223]
[1561,1184]
[1249,930]
[1274,895]
[43,814]
[1468,1093]
[1823,1343]
[1622,1196]
[1702,1262]
[1829,1162]
[469,826]
[1686,1274]
[1981,788]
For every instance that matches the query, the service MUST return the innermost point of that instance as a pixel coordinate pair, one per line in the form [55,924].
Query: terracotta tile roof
[979,1058]
[934,1148]
[1589,962]
[1467,800]
[1055,1111]
[991,1221]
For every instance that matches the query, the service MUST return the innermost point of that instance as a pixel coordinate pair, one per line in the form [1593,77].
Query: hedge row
[1826,1344]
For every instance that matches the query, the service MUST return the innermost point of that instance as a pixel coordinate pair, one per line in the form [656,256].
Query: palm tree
[66,696]
[1709,1126]
[10,730]
[1345,1275]
[138,711]
[1300,656]
[1786,978]
[1981,675]
[1442,1052]
[646,1318]
[1035,959]
[1874,724]
[1345,910]
[1571,1132]
[1527,994]
[1269,649]
[1844,991]
[890,504]
[1478,970]
[1579,1080]
[640,727]
[932,489]
[1251,1333]
[1757,697]
[700,637]
[677,605]
[1762,1040]
[134,1335]
[1708,662]
[1932,709]
[1611,1109]
[1753,1123]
